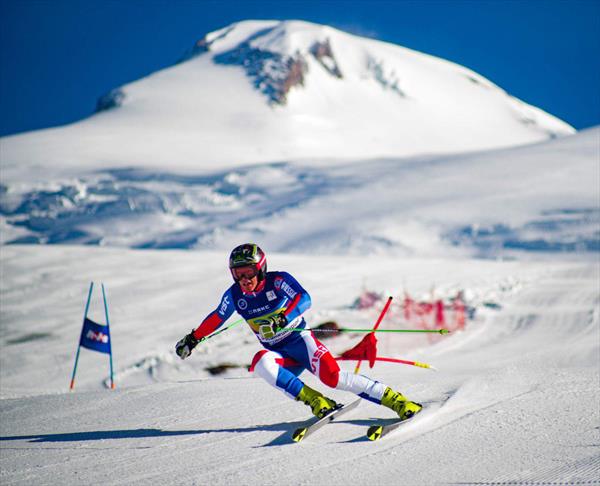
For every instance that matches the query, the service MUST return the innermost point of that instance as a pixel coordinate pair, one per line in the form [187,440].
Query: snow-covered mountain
[267,91]
[264,124]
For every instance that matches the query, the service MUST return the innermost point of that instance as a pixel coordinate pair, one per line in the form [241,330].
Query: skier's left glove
[184,346]
[272,325]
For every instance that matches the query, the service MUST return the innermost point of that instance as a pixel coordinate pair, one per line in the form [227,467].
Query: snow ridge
[429,207]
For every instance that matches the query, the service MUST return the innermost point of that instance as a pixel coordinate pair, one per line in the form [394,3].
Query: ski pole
[397,360]
[343,329]
[407,362]
[379,319]
[221,330]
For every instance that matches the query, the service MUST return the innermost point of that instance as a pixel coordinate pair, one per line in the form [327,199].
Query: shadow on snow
[143,433]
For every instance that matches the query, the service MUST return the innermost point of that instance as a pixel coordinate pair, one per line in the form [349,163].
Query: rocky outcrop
[324,55]
[388,79]
[113,99]
[271,73]
[203,45]
[295,77]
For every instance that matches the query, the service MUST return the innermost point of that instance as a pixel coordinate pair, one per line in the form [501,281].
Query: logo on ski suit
[224,306]
[316,358]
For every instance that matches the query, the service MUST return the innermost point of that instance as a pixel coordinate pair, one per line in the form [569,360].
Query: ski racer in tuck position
[272,303]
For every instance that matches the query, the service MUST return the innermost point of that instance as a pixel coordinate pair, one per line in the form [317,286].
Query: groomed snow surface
[515,398]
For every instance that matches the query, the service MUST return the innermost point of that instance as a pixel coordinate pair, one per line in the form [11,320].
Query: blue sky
[57,57]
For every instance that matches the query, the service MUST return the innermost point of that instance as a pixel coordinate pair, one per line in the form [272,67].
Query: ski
[378,431]
[314,424]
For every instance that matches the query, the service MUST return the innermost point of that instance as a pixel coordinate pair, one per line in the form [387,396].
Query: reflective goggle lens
[244,272]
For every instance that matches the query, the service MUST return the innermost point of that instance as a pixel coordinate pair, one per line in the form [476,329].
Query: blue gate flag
[95,336]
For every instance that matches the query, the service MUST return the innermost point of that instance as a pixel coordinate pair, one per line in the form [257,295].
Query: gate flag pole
[87,306]
[112,381]
[95,336]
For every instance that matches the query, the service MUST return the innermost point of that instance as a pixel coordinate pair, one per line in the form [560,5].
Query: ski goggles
[248,272]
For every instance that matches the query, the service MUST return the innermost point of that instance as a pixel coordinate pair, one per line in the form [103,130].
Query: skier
[272,303]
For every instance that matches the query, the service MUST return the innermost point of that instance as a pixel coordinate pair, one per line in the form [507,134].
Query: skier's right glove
[270,326]
[184,346]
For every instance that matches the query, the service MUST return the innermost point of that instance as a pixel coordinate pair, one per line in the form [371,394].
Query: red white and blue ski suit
[289,352]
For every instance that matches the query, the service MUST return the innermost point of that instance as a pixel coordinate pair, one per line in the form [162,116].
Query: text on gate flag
[95,336]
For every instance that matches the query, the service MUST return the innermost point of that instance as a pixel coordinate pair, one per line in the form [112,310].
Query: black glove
[269,326]
[279,321]
[184,346]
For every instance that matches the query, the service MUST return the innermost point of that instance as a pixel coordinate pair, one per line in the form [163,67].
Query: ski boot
[400,404]
[319,404]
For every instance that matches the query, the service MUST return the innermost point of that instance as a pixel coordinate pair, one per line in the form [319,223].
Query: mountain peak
[265,90]
[273,54]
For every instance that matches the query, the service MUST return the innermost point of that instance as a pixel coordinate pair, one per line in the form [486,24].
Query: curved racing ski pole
[397,360]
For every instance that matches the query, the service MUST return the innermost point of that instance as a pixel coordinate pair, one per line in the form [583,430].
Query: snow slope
[346,160]
[532,199]
[516,395]
[270,91]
